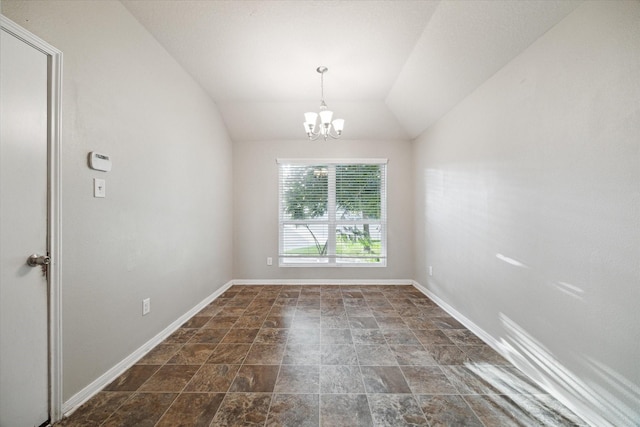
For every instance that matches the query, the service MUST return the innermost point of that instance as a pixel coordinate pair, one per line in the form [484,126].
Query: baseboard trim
[105,379]
[586,413]
[482,334]
[291,282]
[574,402]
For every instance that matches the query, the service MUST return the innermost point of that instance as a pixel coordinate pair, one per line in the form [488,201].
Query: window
[332,213]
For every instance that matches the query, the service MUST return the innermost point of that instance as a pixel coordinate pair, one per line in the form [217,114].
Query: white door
[24,384]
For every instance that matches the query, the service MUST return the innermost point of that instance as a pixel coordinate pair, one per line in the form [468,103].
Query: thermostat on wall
[99,162]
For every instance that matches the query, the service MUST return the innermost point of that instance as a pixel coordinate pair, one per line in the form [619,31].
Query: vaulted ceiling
[395,67]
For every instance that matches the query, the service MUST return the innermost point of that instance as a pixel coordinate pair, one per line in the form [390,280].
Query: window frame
[332,221]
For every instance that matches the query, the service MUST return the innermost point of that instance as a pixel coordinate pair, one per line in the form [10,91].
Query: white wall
[164,229]
[527,201]
[255,180]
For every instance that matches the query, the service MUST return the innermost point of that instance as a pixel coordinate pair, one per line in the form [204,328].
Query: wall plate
[99,188]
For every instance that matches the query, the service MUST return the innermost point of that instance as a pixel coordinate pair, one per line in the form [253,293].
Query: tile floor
[322,355]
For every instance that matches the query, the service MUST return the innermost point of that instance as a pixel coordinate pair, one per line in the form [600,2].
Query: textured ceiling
[395,67]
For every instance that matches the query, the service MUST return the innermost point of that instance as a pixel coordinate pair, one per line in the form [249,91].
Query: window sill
[335,265]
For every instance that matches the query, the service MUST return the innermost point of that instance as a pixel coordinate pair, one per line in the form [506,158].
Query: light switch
[99,187]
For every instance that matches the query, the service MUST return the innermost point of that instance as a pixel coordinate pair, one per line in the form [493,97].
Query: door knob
[36,259]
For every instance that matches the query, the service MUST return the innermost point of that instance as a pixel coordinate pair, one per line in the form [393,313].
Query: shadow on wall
[569,289]
[564,287]
[545,369]
[485,236]
[511,261]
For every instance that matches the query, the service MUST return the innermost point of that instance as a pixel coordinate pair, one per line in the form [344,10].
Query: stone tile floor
[322,355]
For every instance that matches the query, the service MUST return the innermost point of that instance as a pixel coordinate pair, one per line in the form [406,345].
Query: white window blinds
[332,213]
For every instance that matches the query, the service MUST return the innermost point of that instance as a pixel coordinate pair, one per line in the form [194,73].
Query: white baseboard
[574,402]
[105,379]
[482,334]
[289,282]
[587,414]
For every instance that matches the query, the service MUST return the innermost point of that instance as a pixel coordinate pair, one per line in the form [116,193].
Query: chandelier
[325,128]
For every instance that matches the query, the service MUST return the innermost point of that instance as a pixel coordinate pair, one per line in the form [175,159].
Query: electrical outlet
[430,271]
[146,306]
[269,261]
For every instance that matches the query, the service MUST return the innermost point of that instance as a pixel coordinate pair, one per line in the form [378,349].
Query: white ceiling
[395,67]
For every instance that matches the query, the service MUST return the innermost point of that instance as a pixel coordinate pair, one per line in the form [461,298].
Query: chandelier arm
[334,136]
[313,136]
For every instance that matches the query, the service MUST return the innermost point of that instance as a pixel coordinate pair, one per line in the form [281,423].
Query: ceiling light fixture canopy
[325,127]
